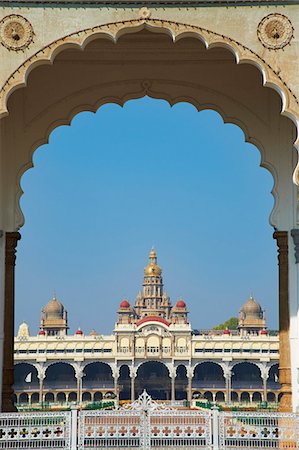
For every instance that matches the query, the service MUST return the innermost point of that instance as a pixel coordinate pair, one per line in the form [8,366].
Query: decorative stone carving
[144,13]
[275,31]
[16,32]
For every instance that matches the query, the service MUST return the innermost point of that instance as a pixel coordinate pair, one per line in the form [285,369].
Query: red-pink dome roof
[42,332]
[264,332]
[79,331]
[124,304]
[180,304]
[226,331]
[152,319]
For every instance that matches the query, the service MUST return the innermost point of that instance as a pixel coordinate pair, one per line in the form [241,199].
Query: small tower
[152,289]
[125,312]
[54,319]
[252,318]
[179,313]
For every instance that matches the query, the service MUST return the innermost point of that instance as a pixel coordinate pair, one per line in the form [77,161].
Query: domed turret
[54,309]
[252,308]
[54,318]
[124,304]
[252,318]
[180,304]
[79,332]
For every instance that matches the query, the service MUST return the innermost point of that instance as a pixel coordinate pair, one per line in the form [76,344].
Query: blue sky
[114,183]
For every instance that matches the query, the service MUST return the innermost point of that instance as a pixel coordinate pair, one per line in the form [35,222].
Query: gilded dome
[152,269]
[252,308]
[54,309]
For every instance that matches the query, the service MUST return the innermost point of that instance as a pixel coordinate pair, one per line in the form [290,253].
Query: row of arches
[63,373]
[151,375]
[71,397]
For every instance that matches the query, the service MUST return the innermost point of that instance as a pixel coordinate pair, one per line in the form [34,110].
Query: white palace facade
[153,347]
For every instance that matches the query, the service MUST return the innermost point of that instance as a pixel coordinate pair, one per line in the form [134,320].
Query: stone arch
[23,397]
[220,396]
[244,397]
[61,397]
[72,397]
[49,397]
[181,382]
[60,375]
[35,397]
[208,396]
[98,375]
[234,396]
[21,371]
[86,396]
[155,361]
[153,376]
[97,396]
[256,397]
[208,374]
[271,397]
[124,382]
[246,375]
[177,32]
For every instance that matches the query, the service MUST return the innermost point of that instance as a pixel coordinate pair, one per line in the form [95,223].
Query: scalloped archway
[173,61]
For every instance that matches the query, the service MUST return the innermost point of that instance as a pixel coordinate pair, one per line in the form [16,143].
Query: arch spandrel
[231,109]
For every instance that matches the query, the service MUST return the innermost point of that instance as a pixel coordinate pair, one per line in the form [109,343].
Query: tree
[230,324]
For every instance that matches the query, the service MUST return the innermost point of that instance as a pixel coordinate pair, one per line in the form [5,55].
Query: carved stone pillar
[228,384]
[133,374]
[284,322]
[115,374]
[173,388]
[190,373]
[11,240]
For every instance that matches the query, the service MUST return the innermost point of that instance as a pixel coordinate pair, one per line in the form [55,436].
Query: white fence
[148,425]
[40,430]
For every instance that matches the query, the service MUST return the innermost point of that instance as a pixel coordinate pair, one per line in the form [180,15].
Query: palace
[153,347]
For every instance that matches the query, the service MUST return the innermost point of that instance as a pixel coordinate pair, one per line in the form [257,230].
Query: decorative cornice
[295,236]
[130,3]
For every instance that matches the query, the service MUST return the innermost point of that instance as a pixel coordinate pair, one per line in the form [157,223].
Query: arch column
[133,375]
[227,373]
[281,238]
[265,376]
[172,373]
[79,376]
[115,374]
[190,373]
[11,241]
[41,375]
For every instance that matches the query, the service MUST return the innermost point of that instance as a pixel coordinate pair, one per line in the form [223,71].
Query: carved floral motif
[275,31]
[16,32]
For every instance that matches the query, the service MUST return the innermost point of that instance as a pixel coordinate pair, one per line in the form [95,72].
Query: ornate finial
[251,296]
[153,256]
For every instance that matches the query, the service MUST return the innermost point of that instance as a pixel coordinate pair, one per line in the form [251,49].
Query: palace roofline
[194,3]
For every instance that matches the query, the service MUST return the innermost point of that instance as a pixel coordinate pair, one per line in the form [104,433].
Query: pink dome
[264,332]
[226,331]
[79,331]
[41,332]
[124,304]
[180,304]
